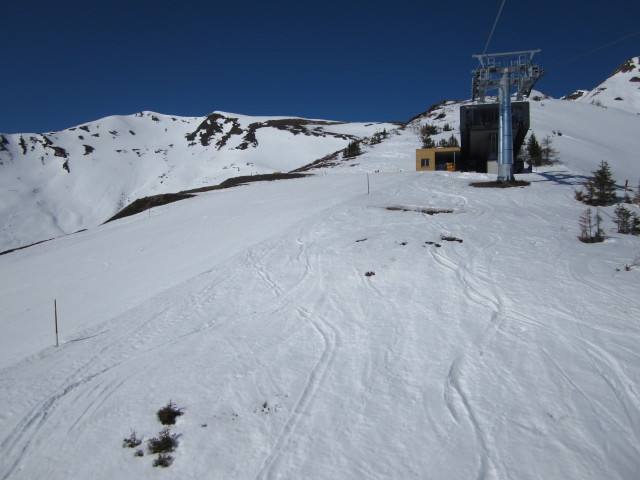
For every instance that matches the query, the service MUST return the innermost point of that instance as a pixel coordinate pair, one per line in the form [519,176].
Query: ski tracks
[18,443]
[330,340]
[262,273]
[79,382]
[305,290]
[469,281]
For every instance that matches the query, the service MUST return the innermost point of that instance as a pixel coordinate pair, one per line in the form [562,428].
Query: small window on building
[424,162]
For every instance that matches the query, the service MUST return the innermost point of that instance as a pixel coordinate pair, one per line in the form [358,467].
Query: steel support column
[505,153]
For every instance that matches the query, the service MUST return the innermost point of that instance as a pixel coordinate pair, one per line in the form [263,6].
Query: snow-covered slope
[621,90]
[57,183]
[511,352]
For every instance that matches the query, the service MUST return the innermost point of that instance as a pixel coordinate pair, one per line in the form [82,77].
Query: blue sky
[65,63]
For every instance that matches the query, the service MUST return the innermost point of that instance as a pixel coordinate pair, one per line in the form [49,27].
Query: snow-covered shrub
[168,414]
[132,441]
[165,443]
[163,461]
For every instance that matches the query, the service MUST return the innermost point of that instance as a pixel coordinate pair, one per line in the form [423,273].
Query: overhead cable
[597,49]
[494,27]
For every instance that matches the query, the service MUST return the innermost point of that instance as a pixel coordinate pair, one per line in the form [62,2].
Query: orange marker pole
[55,312]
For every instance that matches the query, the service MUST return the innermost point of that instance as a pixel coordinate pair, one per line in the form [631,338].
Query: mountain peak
[620,90]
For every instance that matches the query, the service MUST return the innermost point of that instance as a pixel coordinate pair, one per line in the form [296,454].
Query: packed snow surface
[511,352]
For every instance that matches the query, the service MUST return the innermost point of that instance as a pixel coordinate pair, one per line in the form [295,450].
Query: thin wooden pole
[55,311]
[367,183]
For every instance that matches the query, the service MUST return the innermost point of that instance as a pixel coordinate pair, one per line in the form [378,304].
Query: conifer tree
[534,151]
[634,225]
[547,152]
[590,231]
[428,142]
[605,185]
[622,219]
[599,190]
[352,150]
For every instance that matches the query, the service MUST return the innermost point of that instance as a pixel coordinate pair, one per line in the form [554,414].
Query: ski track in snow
[455,396]
[295,279]
[294,298]
[314,381]
[134,341]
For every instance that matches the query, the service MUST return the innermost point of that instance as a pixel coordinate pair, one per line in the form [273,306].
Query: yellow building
[431,159]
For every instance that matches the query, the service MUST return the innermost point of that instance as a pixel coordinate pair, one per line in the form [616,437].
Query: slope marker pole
[55,313]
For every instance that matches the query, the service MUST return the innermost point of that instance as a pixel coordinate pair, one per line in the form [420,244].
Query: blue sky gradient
[70,62]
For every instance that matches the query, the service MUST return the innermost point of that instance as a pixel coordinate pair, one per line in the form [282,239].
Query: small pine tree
[428,129]
[453,141]
[534,151]
[428,142]
[590,231]
[634,225]
[605,185]
[599,235]
[623,219]
[378,136]
[548,153]
[636,198]
[352,150]
[425,133]
[586,225]
[599,190]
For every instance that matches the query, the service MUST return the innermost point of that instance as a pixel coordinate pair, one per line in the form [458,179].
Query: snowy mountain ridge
[60,182]
[621,90]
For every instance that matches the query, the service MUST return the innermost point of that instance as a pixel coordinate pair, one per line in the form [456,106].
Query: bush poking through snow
[163,461]
[165,443]
[168,414]
[132,441]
